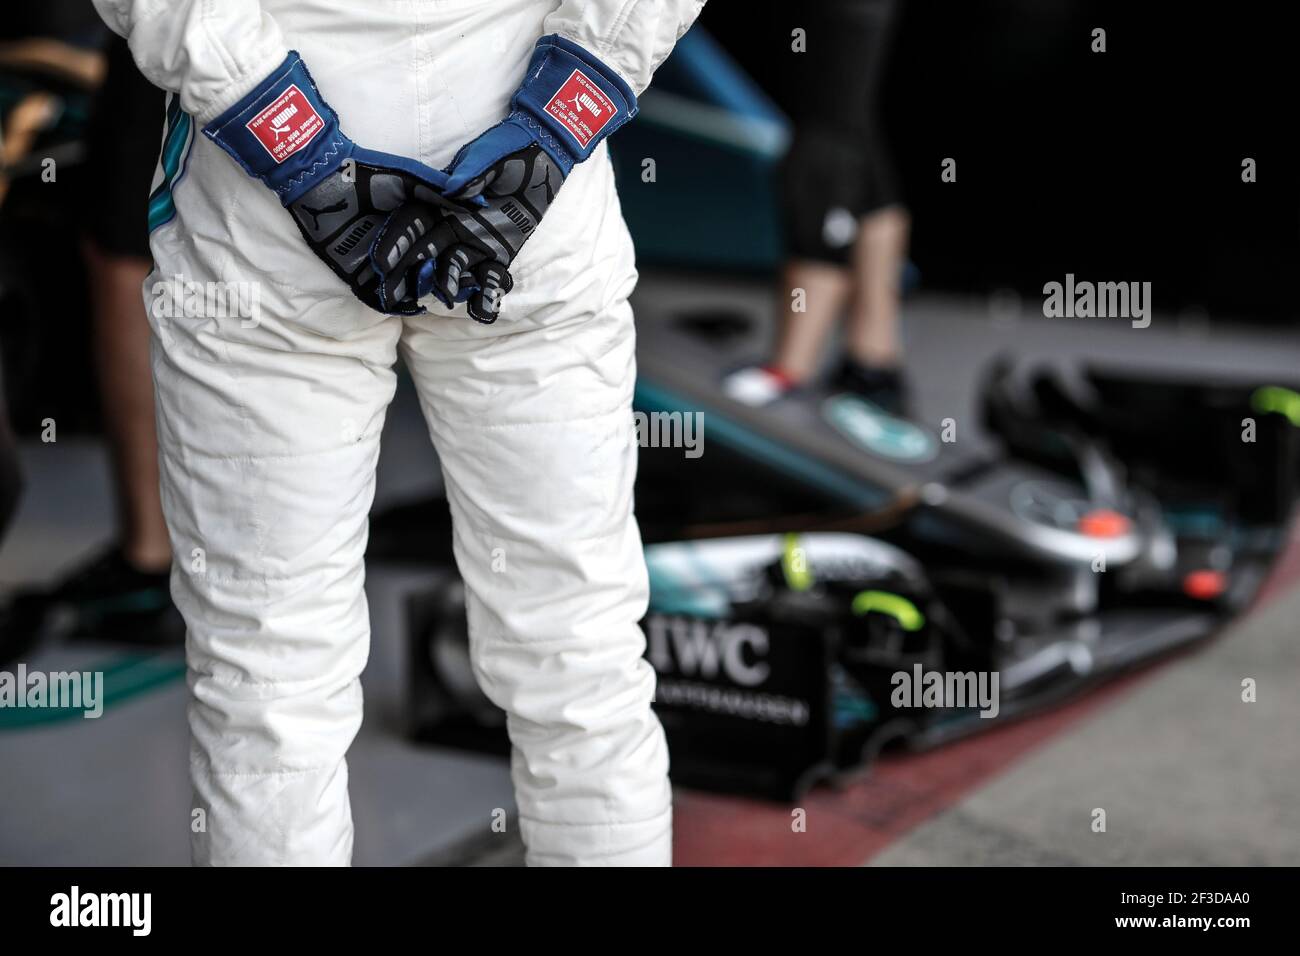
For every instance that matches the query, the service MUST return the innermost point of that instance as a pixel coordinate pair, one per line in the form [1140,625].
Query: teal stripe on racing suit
[178,136]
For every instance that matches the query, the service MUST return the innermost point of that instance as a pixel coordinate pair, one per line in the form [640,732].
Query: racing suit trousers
[272,385]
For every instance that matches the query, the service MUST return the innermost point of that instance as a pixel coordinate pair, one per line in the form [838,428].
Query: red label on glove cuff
[287,125]
[581,108]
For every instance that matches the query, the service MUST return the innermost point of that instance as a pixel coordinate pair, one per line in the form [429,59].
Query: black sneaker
[884,387]
[107,598]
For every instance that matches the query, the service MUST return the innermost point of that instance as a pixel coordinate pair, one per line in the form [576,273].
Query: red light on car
[1205,585]
[1104,523]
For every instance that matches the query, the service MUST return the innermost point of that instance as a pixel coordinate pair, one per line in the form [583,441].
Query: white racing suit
[269,427]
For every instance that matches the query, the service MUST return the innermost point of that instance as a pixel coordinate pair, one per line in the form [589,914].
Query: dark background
[1120,166]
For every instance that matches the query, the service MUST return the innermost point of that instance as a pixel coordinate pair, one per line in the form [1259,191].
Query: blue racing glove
[568,102]
[286,135]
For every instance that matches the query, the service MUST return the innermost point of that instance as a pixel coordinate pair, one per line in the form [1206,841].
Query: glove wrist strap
[570,100]
[283,132]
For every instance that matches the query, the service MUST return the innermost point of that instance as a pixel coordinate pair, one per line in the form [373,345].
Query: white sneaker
[755,386]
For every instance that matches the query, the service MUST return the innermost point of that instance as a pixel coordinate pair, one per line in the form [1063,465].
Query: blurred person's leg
[873,359]
[873,338]
[827,183]
[127,402]
[122,591]
[820,185]
[123,138]
[814,295]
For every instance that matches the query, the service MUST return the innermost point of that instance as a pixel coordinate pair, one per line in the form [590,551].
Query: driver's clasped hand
[285,134]
[395,230]
[568,102]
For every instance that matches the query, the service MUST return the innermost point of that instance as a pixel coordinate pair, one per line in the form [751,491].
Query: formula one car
[1093,532]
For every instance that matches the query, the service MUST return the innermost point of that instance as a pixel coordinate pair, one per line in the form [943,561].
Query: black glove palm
[464,255]
[340,217]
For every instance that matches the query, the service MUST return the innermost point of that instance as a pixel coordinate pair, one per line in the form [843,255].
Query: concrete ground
[114,791]
[1186,772]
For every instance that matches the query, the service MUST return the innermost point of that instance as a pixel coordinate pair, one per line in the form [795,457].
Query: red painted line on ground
[848,826]
[1285,572]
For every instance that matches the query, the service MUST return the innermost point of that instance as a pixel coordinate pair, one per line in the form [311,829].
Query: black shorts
[838,168]
[122,142]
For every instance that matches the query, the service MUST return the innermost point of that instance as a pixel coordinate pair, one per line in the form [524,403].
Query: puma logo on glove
[315,214]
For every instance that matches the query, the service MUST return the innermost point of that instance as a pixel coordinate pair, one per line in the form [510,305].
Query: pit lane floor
[1186,772]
